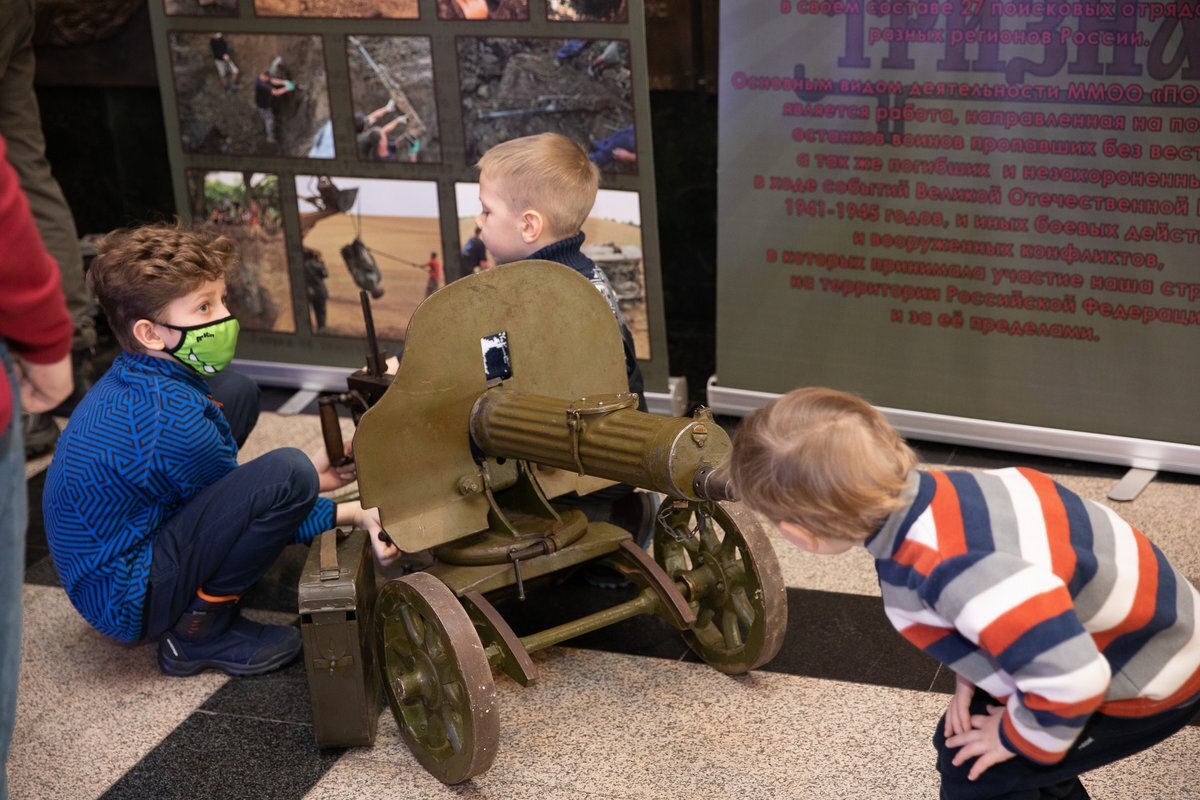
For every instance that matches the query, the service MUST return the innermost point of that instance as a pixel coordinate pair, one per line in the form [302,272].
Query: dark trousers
[240,400]
[1104,740]
[225,538]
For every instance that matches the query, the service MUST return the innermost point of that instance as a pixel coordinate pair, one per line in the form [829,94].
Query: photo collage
[326,138]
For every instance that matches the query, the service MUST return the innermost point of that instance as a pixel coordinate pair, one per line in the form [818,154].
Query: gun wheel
[436,677]
[728,571]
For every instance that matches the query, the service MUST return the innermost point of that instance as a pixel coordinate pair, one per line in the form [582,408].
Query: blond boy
[1074,641]
[535,193]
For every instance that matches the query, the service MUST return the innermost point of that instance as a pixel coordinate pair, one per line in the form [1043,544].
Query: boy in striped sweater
[1074,641]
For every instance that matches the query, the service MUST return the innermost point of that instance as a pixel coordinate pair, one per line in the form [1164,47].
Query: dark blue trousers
[1104,740]
[225,538]
[240,401]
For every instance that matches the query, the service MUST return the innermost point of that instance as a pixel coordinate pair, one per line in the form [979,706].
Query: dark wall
[105,139]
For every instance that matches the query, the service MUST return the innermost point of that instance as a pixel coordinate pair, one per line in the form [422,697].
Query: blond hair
[548,173]
[138,272]
[822,459]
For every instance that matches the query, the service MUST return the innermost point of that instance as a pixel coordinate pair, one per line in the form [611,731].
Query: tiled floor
[845,711]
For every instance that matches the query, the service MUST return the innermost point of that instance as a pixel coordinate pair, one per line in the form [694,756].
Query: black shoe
[41,434]
[243,648]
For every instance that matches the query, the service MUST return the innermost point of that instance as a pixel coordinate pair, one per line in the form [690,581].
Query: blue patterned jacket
[145,439]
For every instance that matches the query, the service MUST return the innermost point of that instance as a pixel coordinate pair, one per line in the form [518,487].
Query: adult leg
[219,545]
[13,518]
[21,126]
[240,400]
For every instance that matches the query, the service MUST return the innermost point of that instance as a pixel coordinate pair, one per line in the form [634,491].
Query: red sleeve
[33,314]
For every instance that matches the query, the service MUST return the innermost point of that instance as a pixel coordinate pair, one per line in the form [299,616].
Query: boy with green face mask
[154,527]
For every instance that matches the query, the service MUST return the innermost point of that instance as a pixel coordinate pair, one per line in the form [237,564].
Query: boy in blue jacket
[155,529]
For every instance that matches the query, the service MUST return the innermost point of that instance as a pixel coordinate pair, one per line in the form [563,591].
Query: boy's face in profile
[198,307]
[501,227]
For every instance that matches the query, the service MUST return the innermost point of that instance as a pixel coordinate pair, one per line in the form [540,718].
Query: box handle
[329,563]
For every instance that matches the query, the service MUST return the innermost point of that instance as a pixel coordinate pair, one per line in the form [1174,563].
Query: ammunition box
[336,598]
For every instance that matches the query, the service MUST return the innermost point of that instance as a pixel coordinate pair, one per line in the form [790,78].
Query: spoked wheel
[437,677]
[731,578]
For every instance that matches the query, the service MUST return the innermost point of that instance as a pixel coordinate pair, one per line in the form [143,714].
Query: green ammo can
[336,598]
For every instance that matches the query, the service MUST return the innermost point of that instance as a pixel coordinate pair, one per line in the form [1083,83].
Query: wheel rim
[436,677]
[732,580]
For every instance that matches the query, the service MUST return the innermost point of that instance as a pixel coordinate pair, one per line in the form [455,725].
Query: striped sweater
[1050,603]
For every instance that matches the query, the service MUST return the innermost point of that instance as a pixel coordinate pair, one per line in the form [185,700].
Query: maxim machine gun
[512,391]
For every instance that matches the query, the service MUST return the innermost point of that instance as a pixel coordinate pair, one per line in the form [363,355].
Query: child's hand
[352,513]
[331,477]
[958,713]
[982,743]
[385,550]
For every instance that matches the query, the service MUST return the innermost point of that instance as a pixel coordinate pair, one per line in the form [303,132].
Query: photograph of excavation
[391,87]
[360,9]
[368,235]
[612,239]
[483,9]
[244,206]
[278,104]
[587,11]
[200,8]
[516,87]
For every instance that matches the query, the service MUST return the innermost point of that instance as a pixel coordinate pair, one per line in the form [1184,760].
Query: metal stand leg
[1132,484]
[296,403]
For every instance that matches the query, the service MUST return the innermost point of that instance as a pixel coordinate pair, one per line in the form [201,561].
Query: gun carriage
[512,392]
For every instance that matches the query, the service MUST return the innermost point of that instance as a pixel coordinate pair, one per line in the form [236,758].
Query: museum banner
[973,209]
[335,141]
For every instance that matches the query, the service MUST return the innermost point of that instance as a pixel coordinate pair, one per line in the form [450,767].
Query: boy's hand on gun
[367,519]
[333,477]
[958,713]
[982,743]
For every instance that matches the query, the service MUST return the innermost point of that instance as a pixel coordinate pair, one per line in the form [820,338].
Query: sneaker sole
[188,668]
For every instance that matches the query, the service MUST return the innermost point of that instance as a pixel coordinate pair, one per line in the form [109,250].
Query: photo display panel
[977,209]
[335,141]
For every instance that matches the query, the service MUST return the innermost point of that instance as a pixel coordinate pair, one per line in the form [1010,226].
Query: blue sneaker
[244,647]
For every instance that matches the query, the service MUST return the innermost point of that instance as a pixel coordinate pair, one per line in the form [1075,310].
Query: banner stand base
[1142,454]
[1130,486]
[311,379]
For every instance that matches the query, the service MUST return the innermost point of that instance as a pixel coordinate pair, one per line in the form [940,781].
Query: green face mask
[206,348]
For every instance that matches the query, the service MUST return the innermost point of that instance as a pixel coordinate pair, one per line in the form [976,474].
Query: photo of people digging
[483,9]
[200,8]
[587,10]
[580,88]
[244,206]
[349,9]
[279,106]
[378,236]
[391,86]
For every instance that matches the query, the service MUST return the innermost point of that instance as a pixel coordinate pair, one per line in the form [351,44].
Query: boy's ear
[144,331]
[799,536]
[533,225]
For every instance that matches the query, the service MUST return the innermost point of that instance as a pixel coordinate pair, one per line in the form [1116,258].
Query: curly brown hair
[822,459]
[137,272]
